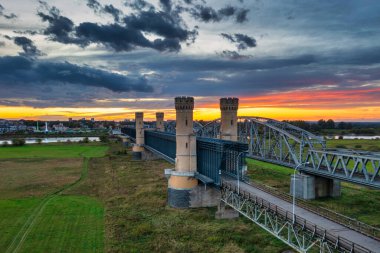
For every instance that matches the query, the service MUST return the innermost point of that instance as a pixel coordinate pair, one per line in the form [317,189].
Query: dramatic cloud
[18,70]
[7,16]
[30,50]
[242,41]
[109,8]
[120,37]
[233,55]
[209,14]
[60,28]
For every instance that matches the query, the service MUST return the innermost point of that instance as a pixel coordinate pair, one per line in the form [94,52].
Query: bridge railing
[163,143]
[328,214]
[300,233]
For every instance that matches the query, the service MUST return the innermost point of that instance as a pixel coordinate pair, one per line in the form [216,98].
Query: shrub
[4,144]
[39,141]
[340,146]
[358,146]
[104,138]
[86,140]
[18,142]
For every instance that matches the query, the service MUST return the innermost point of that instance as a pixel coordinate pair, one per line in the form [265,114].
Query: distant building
[60,128]
[92,119]
[70,119]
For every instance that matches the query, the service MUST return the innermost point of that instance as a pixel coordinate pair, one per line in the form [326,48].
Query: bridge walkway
[331,226]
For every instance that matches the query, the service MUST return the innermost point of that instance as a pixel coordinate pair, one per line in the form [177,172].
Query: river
[53,140]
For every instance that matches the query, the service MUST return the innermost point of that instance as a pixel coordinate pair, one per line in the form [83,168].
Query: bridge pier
[311,187]
[138,148]
[182,180]
[160,122]
[229,126]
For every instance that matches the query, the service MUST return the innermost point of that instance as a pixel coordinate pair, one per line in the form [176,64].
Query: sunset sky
[288,59]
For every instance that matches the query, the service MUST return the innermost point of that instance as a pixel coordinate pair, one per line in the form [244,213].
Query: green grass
[50,222]
[13,214]
[53,151]
[139,220]
[68,224]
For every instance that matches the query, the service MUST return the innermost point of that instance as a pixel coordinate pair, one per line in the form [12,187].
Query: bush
[340,146]
[86,140]
[4,144]
[104,138]
[39,141]
[358,146]
[18,142]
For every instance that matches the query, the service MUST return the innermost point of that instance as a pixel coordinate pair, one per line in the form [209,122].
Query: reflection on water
[354,137]
[53,140]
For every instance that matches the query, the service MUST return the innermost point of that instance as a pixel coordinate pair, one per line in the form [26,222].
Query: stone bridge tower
[160,122]
[182,180]
[138,148]
[229,127]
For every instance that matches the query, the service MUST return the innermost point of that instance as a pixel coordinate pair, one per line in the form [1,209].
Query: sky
[288,59]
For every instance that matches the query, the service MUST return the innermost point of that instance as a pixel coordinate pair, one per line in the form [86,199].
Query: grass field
[117,205]
[36,215]
[53,151]
[139,220]
[356,201]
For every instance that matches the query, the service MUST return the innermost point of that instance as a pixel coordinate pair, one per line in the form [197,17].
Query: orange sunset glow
[345,105]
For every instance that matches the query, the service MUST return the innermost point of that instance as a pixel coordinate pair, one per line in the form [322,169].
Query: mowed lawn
[55,222]
[63,150]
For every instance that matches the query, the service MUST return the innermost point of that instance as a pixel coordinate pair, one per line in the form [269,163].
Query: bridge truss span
[281,143]
[298,233]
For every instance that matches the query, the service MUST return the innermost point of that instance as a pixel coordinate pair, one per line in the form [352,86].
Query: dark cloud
[233,55]
[209,14]
[166,5]
[30,50]
[160,23]
[241,15]
[121,37]
[139,5]
[108,8]
[18,70]
[116,13]
[242,41]
[60,28]
[7,16]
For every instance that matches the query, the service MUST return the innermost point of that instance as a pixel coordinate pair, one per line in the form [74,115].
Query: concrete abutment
[312,187]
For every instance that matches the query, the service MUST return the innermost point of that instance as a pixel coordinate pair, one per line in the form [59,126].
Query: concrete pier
[160,122]
[138,148]
[182,180]
[229,127]
[312,187]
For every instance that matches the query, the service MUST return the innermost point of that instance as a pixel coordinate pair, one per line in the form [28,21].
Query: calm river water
[53,140]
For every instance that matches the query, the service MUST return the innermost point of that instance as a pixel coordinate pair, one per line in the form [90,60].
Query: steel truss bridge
[281,143]
[275,142]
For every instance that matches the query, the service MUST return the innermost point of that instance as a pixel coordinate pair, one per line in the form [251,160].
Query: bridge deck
[330,226]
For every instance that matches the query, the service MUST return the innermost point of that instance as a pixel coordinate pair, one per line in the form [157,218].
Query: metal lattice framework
[300,234]
[282,143]
[170,126]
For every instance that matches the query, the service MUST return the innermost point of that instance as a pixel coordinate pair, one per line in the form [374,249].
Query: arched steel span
[282,143]
[170,126]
